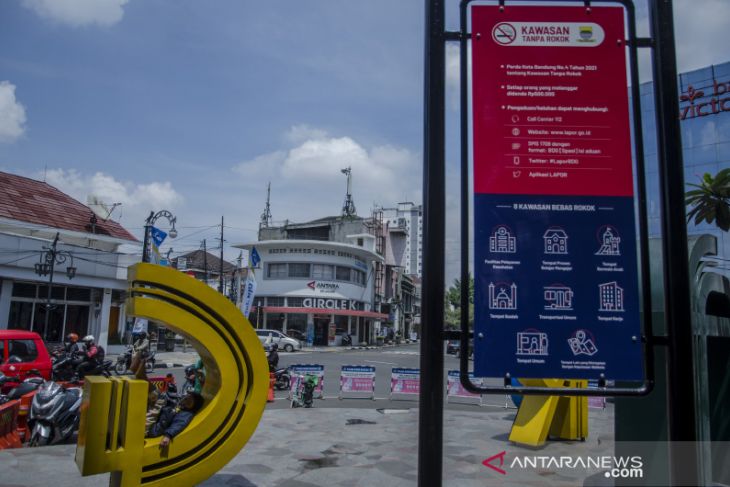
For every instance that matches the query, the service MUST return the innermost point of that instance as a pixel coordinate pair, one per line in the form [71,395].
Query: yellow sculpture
[113,413]
[561,417]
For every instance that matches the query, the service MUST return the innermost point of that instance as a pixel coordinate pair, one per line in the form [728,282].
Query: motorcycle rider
[90,358]
[273,357]
[72,345]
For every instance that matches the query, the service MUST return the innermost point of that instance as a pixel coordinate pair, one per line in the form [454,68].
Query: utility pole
[220,275]
[205,261]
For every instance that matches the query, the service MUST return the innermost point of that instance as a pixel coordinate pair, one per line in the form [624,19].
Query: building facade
[408,218]
[89,281]
[317,290]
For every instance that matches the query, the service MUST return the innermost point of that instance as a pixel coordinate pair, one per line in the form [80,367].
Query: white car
[286,343]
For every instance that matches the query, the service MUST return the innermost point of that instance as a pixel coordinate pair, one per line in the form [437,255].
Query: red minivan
[22,351]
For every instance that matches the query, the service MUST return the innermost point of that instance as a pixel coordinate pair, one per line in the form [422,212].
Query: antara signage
[324,303]
[699,106]
[322,286]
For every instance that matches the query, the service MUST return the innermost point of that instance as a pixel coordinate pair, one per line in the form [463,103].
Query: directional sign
[556,288]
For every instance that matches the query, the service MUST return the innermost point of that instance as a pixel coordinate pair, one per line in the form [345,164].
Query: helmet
[142,334]
[88,339]
[190,370]
[72,337]
[274,347]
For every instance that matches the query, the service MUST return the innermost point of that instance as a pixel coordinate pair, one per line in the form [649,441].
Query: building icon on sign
[502,241]
[556,241]
[611,297]
[558,297]
[532,342]
[502,296]
[610,242]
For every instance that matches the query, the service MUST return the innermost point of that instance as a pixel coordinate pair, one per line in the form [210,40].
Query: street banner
[157,236]
[300,371]
[248,292]
[454,389]
[405,381]
[556,280]
[357,379]
[140,325]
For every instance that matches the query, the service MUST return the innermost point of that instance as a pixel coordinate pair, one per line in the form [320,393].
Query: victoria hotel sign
[706,101]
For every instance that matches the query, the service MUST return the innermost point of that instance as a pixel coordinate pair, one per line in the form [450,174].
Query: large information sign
[555,240]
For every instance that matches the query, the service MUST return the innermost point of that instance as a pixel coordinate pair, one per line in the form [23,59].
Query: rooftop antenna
[348,209]
[266,215]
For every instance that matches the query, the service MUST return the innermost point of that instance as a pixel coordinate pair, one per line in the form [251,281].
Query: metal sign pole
[680,367]
[431,396]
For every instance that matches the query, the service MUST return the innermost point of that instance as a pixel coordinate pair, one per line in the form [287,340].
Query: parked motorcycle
[54,414]
[124,361]
[63,368]
[28,385]
[282,379]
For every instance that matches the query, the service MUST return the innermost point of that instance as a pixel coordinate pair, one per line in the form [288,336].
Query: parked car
[452,346]
[286,343]
[297,335]
[22,352]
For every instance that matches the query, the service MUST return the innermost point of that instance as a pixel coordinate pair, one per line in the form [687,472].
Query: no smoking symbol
[504,34]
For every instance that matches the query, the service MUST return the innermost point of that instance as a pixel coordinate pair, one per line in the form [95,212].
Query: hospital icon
[502,296]
[502,240]
[532,342]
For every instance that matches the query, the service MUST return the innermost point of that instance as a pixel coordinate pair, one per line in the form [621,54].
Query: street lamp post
[48,260]
[148,228]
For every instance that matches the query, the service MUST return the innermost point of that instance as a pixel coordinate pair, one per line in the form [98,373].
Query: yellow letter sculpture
[113,413]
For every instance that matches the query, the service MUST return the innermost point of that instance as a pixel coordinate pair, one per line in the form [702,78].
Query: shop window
[343,273]
[24,290]
[322,271]
[78,294]
[20,315]
[299,270]
[274,301]
[25,350]
[77,320]
[295,302]
[276,271]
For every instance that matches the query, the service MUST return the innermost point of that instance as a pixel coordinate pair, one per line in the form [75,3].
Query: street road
[383,359]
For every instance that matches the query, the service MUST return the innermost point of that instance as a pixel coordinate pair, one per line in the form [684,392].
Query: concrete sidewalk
[353,447]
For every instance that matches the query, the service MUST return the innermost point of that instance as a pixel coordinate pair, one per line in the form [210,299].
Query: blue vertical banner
[157,236]
[555,247]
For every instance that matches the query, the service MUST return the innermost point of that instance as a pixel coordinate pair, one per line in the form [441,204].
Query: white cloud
[79,12]
[307,181]
[12,113]
[137,199]
[702,34]
[300,133]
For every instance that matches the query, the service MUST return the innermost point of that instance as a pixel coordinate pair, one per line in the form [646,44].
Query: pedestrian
[140,350]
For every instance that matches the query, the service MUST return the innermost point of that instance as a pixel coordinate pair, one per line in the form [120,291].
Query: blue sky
[194,106]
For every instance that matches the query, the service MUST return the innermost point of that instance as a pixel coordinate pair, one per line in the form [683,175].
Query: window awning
[323,311]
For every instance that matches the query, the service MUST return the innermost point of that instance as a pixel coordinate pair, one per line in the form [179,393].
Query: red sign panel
[550,121]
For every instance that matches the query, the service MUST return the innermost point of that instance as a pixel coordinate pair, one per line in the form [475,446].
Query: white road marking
[376,362]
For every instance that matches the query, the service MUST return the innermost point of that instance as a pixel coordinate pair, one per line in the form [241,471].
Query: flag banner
[255,257]
[248,293]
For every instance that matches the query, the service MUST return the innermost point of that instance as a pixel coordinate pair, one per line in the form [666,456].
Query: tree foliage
[710,202]
[452,305]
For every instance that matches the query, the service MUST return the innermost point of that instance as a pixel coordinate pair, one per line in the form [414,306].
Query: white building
[88,288]
[409,217]
[316,290]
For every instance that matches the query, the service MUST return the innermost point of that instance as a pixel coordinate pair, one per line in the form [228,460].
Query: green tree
[452,305]
[710,202]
